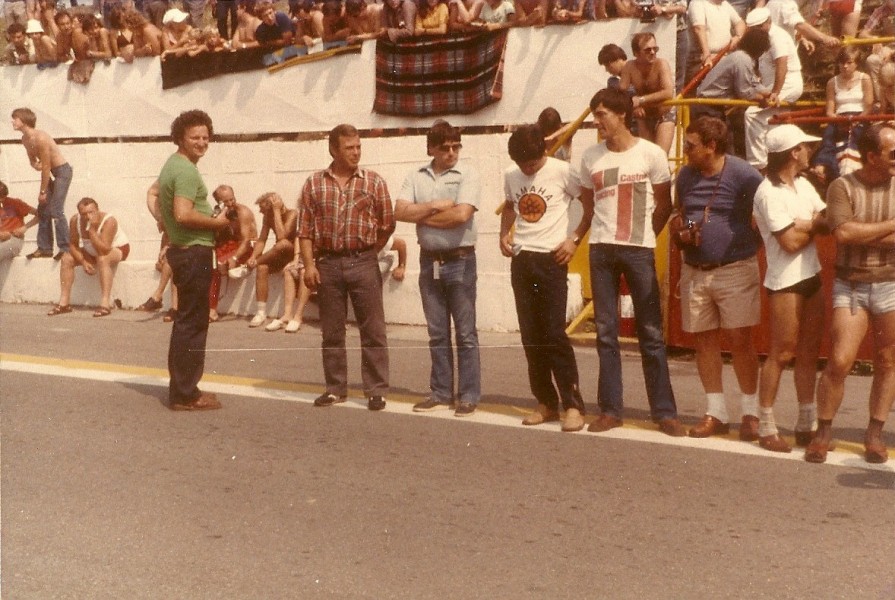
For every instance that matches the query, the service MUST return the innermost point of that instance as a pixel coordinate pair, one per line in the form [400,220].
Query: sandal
[169,316]
[59,310]
[102,311]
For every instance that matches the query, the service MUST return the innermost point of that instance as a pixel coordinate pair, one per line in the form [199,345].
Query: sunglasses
[651,49]
[450,147]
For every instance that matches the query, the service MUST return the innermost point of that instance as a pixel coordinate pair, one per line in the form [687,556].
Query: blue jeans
[191,273]
[607,263]
[223,9]
[356,278]
[540,287]
[451,296]
[51,214]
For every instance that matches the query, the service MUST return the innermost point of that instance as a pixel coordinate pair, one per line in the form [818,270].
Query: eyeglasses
[449,147]
[651,49]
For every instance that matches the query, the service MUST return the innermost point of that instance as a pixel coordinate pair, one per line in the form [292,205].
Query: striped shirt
[345,219]
[850,200]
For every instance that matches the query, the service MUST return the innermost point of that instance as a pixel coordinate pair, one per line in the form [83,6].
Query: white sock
[749,403]
[807,417]
[262,309]
[717,407]
[766,424]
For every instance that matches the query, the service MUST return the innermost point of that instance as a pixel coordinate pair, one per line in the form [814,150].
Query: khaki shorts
[725,297]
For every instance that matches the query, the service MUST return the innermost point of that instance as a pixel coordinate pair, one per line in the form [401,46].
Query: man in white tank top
[97,245]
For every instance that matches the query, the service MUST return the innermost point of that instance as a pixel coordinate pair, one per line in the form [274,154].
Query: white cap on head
[786,137]
[757,16]
[34,26]
[174,15]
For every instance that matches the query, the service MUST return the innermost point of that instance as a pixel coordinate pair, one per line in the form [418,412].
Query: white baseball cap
[757,16]
[174,15]
[34,26]
[787,136]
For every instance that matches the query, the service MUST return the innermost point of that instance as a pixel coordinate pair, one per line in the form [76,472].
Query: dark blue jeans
[356,278]
[607,263]
[51,214]
[540,287]
[452,296]
[191,273]
[221,11]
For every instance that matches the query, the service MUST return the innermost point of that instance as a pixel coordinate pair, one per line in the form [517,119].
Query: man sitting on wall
[281,221]
[12,223]
[232,244]
[98,245]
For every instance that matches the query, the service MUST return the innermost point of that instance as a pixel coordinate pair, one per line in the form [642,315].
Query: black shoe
[150,305]
[329,400]
[39,254]
[59,255]
[464,409]
[431,404]
[375,403]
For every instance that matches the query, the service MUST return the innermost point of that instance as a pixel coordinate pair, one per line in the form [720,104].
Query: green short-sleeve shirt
[180,177]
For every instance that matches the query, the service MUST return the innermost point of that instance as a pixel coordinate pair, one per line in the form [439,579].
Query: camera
[216,210]
[231,213]
[691,234]
[644,7]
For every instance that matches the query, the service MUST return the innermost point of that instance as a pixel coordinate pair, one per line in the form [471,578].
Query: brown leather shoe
[604,422]
[749,428]
[672,427]
[774,443]
[205,401]
[816,452]
[573,420]
[709,426]
[541,414]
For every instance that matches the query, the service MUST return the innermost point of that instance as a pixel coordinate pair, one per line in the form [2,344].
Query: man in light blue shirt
[442,198]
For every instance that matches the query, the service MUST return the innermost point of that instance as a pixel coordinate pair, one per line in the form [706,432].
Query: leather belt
[448,255]
[711,266]
[344,253]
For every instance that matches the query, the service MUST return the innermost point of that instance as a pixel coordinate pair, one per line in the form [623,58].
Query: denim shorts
[875,298]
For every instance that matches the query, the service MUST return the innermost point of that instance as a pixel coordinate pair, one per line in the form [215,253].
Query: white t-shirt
[624,201]
[782,45]
[718,19]
[542,204]
[785,14]
[776,207]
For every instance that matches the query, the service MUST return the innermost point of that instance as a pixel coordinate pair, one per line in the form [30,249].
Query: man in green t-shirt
[188,221]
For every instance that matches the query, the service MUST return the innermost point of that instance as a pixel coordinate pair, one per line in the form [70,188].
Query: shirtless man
[55,178]
[246,24]
[66,26]
[233,244]
[282,222]
[363,20]
[532,12]
[308,20]
[651,78]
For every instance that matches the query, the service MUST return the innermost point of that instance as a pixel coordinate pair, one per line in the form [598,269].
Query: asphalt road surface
[108,494]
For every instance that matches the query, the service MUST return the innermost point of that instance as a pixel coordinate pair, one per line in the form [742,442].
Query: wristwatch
[576,240]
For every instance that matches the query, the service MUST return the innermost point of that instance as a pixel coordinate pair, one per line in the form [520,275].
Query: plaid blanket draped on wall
[452,74]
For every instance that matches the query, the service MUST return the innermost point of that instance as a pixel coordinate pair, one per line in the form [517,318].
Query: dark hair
[615,100]
[611,53]
[116,16]
[340,131]
[710,129]
[755,42]
[4,191]
[869,140]
[423,9]
[14,28]
[527,143]
[89,22]
[60,14]
[87,200]
[441,132]
[26,116]
[638,38]
[187,119]
[848,53]
[247,5]
[776,162]
[549,120]
[332,8]
[354,7]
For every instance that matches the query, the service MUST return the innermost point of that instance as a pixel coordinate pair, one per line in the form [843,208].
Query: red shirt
[340,219]
[12,214]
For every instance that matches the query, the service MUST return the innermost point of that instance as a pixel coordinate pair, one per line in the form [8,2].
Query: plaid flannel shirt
[340,219]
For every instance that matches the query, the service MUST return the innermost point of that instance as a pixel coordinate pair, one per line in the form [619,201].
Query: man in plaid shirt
[345,217]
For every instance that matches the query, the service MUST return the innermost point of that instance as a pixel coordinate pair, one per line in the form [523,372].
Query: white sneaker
[258,320]
[293,326]
[274,325]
